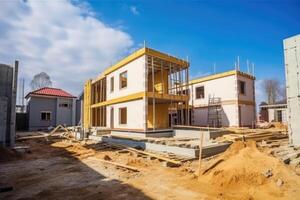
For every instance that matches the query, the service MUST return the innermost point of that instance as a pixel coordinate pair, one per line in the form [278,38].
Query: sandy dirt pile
[254,174]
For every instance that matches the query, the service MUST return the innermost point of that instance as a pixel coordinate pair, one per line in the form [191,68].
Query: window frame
[120,115]
[112,84]
[46,118]
[244,88]
[120,80]
[201,96]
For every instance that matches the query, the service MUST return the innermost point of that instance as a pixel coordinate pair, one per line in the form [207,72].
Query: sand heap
[245,169]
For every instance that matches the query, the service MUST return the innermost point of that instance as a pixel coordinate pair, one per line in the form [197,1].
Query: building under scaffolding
[143,93]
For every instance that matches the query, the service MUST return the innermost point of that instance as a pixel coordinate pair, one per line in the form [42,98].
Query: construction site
[149,132]
[138,100]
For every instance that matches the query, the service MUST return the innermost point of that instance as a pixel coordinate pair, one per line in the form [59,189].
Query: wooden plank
[149,154]
[200,153]
[214,164]
[116,164]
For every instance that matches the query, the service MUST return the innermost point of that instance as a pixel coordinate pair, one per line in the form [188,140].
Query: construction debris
[100,166]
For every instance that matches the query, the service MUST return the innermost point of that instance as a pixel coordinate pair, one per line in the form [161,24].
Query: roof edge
[221,75]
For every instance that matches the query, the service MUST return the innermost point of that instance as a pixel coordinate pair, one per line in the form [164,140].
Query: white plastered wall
[225,88]
[229,116]
[135,115]
[271,114]
[222,87]
[135,79]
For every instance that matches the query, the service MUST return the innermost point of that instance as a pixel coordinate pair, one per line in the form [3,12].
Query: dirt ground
[62,169]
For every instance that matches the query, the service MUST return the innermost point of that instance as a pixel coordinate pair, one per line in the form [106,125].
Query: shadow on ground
[54,173]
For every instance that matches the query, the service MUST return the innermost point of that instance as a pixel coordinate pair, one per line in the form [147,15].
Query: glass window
[200,92]
[123,80]
[123,115]
[242,87]
[112,84]
[46,116]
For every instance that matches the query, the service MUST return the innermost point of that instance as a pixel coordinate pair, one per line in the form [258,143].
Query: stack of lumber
[256,136]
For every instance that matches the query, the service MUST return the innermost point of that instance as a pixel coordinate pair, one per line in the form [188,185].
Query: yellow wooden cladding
[161,116]
[141,95]
[131,97]
[87,104]
[143,51]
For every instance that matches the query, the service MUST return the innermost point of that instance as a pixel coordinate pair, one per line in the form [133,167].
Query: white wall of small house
[135,79]
[225,88]
[222,87]
[229,116]
[135,115]
[272,112]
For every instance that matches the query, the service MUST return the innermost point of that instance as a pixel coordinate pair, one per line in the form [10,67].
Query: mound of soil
[244,168]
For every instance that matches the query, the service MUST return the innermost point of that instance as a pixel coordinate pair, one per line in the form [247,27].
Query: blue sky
[211,31]
[74,40]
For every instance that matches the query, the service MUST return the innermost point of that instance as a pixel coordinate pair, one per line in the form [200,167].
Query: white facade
[135,115]
[135,79]
[277,115]
[135,84]
[237,109]
[292,71]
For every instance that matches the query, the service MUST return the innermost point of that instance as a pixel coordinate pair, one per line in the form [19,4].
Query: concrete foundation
[188,151]
[140,134]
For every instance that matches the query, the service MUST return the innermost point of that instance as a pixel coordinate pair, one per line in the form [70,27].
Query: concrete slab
[177,150]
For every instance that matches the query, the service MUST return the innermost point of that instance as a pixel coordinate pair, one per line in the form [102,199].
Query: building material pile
[244,168]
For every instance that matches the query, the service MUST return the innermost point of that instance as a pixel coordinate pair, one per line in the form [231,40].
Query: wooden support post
[162,78]
[200,153]
[153,98]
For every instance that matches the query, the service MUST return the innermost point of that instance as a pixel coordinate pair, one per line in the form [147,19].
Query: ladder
[214,112]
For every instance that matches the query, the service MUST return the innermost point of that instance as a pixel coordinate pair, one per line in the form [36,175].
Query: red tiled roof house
[48,107]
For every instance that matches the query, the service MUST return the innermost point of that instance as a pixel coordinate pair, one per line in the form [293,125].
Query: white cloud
[134,10]
[61,38]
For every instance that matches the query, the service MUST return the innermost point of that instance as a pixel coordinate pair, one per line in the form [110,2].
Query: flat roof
[139,53]
[221,75]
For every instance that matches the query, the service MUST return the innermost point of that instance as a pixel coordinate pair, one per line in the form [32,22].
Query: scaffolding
[214,112]
[167,81]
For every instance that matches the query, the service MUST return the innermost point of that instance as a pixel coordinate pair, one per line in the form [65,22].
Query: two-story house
[137,93]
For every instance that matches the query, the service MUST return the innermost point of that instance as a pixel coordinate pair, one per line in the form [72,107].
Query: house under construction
[223,99]
[138,93]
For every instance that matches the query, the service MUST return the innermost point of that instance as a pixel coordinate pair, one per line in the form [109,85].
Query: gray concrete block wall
[8,89]
[292,71]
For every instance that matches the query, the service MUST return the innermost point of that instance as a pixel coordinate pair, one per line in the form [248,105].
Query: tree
[40,80]
[272,89]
